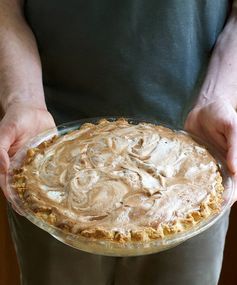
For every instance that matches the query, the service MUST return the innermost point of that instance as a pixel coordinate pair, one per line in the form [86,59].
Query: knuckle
[230,126]
[3,148]
[11,126]
[8,129]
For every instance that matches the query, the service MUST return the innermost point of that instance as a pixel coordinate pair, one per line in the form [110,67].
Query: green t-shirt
[128,57]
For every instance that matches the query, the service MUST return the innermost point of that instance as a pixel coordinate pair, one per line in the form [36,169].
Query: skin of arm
[21,88]
[213,116]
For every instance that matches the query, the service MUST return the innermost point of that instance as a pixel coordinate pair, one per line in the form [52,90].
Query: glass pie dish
[110,247]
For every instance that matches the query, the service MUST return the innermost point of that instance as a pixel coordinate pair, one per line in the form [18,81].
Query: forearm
[20,67]
[221,78]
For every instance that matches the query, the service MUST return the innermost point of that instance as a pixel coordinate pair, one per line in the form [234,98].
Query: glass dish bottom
[106,247]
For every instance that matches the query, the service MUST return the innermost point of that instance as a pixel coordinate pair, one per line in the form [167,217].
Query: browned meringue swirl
[121,176]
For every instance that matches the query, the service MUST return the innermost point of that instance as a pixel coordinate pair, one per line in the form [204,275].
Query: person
[170,61]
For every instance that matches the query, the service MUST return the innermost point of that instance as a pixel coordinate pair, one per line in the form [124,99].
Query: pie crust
[120,181]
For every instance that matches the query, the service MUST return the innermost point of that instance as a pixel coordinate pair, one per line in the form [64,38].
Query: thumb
[231,137]
[6,140]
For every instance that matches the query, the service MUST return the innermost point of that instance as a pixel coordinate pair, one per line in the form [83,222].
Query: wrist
[205,98]
[33,101]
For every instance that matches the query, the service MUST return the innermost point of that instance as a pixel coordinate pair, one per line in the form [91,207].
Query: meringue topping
[121,176]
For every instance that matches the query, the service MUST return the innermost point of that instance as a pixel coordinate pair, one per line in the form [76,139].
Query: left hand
[216,123]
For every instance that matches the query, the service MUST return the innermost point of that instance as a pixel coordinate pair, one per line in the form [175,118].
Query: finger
[216,139]
[234,199]
[3,185]
[6,140]
[4,160]
[219,140]
[231,157]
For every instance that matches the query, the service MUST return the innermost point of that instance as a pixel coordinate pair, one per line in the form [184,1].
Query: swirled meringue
[121,178]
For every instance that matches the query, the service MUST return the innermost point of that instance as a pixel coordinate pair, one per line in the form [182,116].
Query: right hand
[20,123]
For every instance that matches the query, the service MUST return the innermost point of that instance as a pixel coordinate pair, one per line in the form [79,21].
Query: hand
[20,123]
[216,123]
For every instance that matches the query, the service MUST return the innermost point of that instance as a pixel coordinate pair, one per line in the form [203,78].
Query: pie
[119,181]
